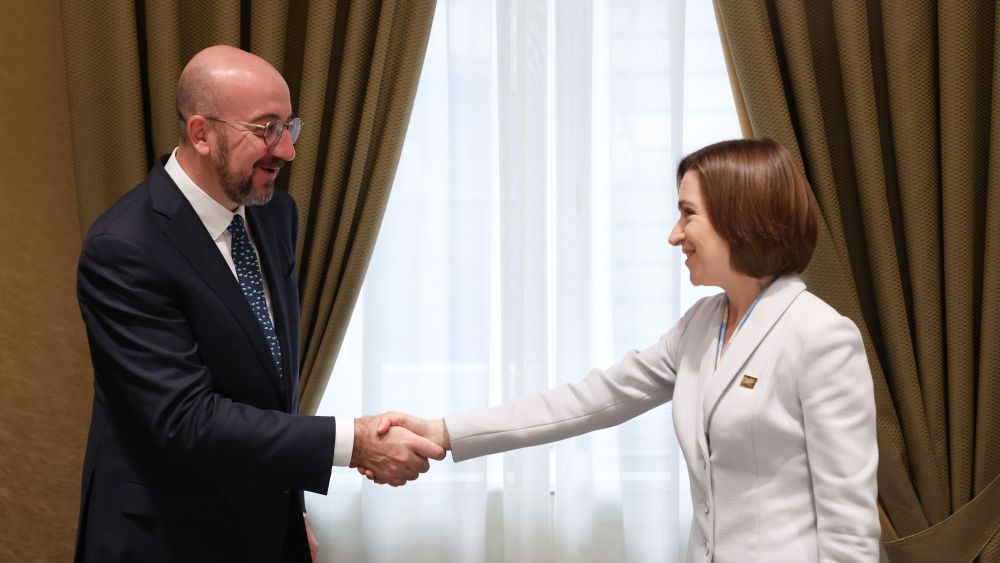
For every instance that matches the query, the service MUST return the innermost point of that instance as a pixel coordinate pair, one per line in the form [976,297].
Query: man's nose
[284,149]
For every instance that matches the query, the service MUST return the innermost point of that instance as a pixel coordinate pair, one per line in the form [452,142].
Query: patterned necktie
[248,273]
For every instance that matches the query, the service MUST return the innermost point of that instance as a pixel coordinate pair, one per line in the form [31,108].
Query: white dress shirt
[217,218]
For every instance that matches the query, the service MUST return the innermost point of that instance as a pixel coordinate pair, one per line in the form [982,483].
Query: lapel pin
[748,381]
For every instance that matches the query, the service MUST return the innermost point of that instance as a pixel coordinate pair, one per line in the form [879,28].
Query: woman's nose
[676,235]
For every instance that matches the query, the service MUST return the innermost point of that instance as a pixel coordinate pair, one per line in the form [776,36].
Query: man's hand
[433,430]
[396,455]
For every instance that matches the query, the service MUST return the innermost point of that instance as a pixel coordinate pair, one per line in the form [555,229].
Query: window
[525,242]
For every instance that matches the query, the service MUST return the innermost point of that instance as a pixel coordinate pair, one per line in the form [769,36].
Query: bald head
[214,78]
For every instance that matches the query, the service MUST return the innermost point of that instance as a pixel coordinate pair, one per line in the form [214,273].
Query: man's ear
[199,134]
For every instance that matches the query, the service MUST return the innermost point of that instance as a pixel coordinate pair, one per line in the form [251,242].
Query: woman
[772,394]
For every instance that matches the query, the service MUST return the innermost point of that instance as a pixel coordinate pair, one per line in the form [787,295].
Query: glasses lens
[272,132]
[275,127]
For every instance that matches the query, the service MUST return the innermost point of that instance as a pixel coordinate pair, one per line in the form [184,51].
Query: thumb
[384,423]
[390,419]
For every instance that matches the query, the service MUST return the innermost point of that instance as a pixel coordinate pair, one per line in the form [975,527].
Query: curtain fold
[352,69]
[891,108]
[372,79]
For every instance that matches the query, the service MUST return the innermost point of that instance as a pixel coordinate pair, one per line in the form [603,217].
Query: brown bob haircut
[758,201]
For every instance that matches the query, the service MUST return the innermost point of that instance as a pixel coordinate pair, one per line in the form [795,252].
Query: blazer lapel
[706,374]
[187,233]
[762,319]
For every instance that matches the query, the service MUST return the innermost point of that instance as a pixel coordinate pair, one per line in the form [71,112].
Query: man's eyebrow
[268,117]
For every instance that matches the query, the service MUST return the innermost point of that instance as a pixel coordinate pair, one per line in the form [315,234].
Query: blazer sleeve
[147,363]
[604,398]
[838,408]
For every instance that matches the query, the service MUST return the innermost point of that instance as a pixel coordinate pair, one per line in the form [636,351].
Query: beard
[239,187]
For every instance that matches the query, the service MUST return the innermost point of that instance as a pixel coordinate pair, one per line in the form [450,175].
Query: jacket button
[707,508]
[707,549]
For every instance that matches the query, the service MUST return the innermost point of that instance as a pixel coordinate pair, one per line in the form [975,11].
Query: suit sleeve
[147,365]
[604,398]
[838,406]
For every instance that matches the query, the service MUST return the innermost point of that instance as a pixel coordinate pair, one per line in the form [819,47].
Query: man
[187,287]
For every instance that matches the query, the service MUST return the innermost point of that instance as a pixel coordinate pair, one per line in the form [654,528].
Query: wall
[45,377]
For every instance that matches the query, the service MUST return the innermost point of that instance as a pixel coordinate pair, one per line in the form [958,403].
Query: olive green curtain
[44,366]
[892,108]
[352,68]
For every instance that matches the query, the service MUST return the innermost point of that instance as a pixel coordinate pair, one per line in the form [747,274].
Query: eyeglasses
[272,130]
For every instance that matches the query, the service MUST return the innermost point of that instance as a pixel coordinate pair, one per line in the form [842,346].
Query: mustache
[275,163]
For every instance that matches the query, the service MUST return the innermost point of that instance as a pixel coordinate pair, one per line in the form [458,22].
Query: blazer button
[707,509]
[707,549]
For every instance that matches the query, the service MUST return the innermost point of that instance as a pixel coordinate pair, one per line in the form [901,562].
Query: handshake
[395,447]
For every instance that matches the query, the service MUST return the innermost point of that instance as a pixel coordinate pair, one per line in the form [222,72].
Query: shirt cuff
[343,445]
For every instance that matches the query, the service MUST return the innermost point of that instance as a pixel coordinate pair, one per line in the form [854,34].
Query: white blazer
[779,439]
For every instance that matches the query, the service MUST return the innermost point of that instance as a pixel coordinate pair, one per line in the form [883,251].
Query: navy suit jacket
[195,452]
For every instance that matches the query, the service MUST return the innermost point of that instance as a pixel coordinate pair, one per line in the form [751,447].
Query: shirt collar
[213,214]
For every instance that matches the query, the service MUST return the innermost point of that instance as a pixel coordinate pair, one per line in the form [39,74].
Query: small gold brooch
[748,381]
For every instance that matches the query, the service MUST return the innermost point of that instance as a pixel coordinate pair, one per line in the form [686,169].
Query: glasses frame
[281,125]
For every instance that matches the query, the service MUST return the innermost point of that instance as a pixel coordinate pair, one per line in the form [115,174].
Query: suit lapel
[265,239]
[187,233]
[769,309]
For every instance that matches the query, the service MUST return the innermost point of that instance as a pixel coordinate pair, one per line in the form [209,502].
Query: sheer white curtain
[524,243]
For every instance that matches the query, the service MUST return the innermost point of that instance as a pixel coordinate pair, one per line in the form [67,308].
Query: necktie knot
[237,226]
